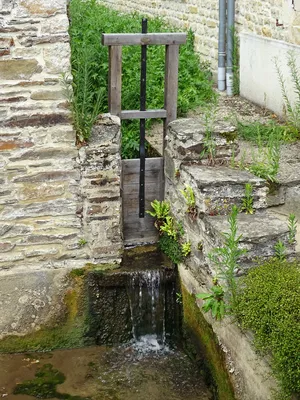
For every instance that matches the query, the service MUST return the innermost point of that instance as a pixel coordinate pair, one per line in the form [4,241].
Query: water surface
[140,371]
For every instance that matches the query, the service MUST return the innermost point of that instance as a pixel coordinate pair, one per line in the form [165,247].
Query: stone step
[260,233]
[216,189]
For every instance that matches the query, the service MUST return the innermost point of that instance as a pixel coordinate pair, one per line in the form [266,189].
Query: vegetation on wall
[171,233]
[88,20]
[268,303]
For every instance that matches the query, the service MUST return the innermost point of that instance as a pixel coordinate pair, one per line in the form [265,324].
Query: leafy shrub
[88,19]
[268,304]
[171,247]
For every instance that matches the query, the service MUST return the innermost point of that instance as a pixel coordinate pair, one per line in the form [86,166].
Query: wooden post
[171,85]
[115,80]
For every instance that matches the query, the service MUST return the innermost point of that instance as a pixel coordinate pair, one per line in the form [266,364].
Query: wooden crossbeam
[138,39]
[136,114]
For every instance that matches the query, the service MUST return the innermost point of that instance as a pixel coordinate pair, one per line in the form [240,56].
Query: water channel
[149,364]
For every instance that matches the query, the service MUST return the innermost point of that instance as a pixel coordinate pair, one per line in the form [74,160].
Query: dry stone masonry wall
[59,205]
[201,16]
[216,188]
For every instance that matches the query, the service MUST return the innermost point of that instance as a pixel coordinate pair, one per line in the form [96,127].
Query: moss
[268,304]
[205,341]
[229,136]
[67,331]
[44,384]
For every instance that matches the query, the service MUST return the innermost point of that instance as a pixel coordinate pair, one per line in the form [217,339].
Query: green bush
[269,304]
[171,247]
[88,19]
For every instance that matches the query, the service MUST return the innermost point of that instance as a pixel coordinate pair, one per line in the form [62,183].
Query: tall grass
[292,109]
[88,20]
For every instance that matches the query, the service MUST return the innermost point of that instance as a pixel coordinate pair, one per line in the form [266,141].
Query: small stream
[150,365]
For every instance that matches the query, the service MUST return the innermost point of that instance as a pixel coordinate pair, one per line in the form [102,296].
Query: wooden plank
[128,39]
[136,114]
[115,80]
[135,229]
[171,85]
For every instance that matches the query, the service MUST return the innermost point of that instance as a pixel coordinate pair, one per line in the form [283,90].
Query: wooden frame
[171,41]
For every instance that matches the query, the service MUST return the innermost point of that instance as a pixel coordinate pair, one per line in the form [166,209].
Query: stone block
[57,58]
[18,69]
[30,299]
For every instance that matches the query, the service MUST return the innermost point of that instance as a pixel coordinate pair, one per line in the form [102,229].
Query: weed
[265,164]
[292,225]
[247,202]
[82,242]
[292,110]
[161,210]
[88,19]
[169,227]
[226,258]
[186,248]
[235,61]
[214,301]
[258,132]
[178,298]
[189,196]
[209,142]
[280,251]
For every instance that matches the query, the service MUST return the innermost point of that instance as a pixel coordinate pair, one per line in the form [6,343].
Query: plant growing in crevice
[247,201]
[214,301]
[292,225]
[186,248]
[161,210]
[280,251]
[82,242]
[189,196]
[209,141]
[170,232]
[226,259]
[265,164]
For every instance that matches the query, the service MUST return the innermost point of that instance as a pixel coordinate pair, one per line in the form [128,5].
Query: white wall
[258,77]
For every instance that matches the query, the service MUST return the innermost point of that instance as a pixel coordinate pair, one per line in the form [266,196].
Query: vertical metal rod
[143,123]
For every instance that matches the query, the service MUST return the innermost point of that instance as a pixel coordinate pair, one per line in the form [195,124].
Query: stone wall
[60,206]
[202,17]
[216,188]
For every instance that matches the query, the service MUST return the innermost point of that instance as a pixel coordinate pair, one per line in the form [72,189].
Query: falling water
[146,293]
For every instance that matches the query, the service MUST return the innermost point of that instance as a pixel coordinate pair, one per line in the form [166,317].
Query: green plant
[82,242]
[280,251]
[171,247]
[88,19]
[186,248]
[268,304]
[189,196]
[235,61]
[292,225]
[258,132]
[265,164]
[161,210]
[247,201]
[169,227]
[209,142]
[292,110]
[226,258]
[214,301]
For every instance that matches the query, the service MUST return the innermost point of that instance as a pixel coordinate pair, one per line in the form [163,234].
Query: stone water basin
[139,371]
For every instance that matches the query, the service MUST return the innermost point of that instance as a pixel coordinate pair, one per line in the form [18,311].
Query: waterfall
[146,293]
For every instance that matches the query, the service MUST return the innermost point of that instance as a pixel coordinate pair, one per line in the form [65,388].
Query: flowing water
[148,367]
